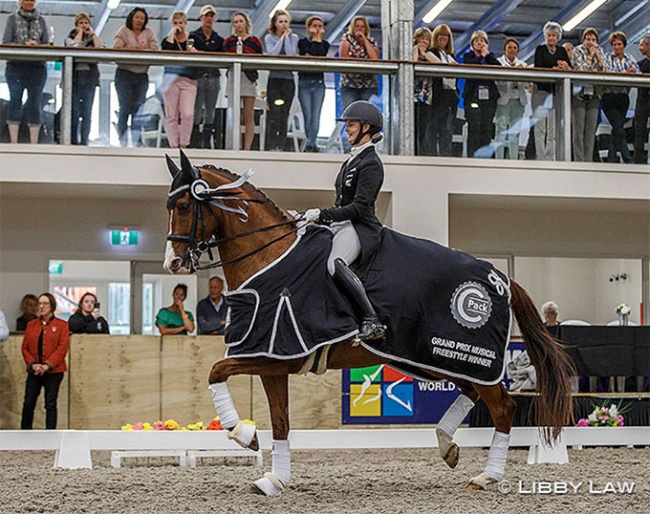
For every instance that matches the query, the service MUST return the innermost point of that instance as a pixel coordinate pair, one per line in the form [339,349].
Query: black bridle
[200,190]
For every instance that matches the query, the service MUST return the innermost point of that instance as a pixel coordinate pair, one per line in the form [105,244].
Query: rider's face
[352,129]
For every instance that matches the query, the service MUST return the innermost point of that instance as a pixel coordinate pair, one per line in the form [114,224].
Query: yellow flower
[128,426]
[249,422]
[147,426]
[170,424]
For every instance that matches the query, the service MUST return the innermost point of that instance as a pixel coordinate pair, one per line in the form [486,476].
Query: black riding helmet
[364,112]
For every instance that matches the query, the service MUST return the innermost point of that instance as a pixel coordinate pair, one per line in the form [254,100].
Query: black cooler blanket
[445,310]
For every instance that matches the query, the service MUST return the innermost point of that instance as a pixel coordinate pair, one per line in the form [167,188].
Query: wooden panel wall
[114,380]
[12,389]
[186,363]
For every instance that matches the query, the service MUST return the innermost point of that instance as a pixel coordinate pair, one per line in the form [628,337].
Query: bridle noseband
[202,193]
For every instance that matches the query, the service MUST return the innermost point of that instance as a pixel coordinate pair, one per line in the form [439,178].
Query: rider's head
[364,122]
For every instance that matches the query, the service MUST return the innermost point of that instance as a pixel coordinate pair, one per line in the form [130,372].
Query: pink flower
[137,426]
[582,423]
[159,425]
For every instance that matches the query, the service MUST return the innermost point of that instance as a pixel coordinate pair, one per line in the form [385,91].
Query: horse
[212,207]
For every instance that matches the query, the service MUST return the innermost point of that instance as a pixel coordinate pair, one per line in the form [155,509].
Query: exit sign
[124,237]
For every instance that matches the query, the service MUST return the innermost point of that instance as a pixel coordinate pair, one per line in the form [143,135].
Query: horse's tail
[553,366]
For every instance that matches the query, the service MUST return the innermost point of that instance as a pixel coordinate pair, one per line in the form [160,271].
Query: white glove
[312,215]
[293,214]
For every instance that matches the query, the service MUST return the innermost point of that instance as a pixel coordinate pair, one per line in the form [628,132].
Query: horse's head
[197,201]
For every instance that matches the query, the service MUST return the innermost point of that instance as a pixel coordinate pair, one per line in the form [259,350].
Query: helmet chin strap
[360,135]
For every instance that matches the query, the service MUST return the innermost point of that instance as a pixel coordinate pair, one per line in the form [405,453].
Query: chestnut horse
[210,207]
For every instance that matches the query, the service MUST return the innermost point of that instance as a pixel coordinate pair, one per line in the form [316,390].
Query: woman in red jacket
[45,347]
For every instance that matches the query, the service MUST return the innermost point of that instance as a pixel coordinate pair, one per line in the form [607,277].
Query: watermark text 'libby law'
[543,487]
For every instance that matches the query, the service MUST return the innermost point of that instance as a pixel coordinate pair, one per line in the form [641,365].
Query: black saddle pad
[445,310]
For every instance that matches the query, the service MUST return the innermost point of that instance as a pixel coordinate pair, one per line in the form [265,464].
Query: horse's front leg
[242,433]
[277,394]
[502,409]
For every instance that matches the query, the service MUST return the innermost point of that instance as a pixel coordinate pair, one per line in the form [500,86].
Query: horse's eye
[183,206]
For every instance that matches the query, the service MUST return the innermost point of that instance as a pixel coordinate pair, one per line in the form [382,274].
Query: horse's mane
[248,187]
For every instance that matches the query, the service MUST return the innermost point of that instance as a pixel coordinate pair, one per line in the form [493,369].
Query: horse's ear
[187,168]
[171,166]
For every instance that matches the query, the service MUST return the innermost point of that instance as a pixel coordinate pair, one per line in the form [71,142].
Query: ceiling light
[113,4]
[281,5]
[583,14]
[436,10]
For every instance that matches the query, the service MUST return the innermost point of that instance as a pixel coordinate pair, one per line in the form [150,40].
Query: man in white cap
[208,80]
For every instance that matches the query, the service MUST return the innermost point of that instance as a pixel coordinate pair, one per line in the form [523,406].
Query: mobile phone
[97,304]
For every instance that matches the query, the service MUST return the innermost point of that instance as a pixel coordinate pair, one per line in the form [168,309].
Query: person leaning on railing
[311,84]
[480,98]
[423,93]
[585,105]
[616,99]
[85,80]
[25,27]
[548,55]
[179,86]
[445,93]
[281,87]
[243,42]
[132,80]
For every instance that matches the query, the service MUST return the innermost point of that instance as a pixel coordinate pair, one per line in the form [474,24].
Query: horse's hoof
[245,435]
[452,457]
[268,485]
[255,443]
[480,482]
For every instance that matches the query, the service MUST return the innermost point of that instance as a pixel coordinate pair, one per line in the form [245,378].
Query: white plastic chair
[296,129]
[153,107]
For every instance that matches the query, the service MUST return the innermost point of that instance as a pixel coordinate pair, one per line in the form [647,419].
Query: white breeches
[346,244]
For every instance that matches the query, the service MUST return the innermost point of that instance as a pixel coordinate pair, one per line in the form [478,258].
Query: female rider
[352,218]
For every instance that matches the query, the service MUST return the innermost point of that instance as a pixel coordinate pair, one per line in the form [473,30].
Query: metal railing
[400,77]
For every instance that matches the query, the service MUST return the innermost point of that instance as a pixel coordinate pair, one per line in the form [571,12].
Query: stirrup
[371,329]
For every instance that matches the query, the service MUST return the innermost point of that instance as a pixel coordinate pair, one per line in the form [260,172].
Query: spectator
[174,319]
[358,44]
[4,328]
[281,87]
[179,86]
[445,93]
[44,349]
[243,42]
[511,104]
[87,319]
[585,105]
[551,312]
[25,27]
[132,80]
[311,85]
[208,79]
[480,98]
[29,308]
[548,55]
[211,311]
[642,109]
[616,99]
[423,93]
[85,80]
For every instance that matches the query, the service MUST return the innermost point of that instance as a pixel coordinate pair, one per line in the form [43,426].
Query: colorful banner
[380,395]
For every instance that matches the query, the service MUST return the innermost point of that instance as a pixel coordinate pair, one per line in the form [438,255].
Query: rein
[201,192]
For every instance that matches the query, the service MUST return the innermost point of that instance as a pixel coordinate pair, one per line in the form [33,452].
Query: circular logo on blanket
[471,305]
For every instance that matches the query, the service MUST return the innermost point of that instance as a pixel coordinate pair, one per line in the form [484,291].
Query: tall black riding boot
[207,136]
[371,327]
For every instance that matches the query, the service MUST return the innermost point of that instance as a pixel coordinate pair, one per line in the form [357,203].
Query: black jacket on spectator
[357,186]
[80,324]
[214,43]
[209,319]
[316,48]
[470,92]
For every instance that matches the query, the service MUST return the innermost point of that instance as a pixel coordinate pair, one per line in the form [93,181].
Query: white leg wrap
[224,405]
[273,484]
[496,463]
[455,414]
[242,434]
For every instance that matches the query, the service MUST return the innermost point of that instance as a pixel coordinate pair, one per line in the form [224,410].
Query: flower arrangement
[171,425]
[623,310]
[603,416]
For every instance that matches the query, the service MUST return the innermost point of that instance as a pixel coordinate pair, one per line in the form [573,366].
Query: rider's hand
[312,215]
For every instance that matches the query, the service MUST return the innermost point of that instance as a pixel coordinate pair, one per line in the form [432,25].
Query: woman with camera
[87,319]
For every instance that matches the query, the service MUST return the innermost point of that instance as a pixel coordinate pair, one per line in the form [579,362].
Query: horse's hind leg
[452,419]
[277,393]
[502,409]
